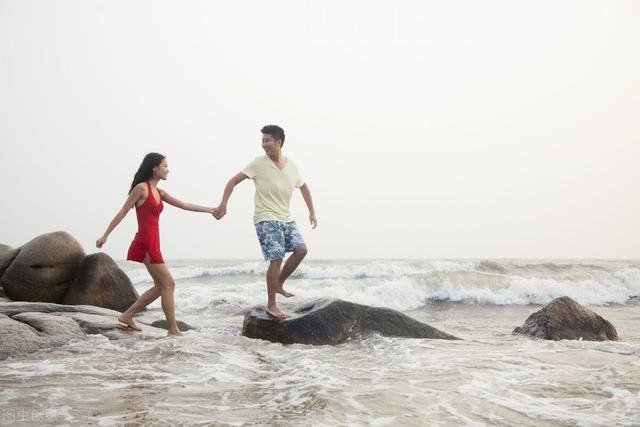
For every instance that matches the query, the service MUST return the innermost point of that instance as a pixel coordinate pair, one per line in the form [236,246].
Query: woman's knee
[168,285]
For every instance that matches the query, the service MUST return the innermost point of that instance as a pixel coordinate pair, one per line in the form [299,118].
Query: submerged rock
[100,282]
[43,268]
[565,319]
[30,326]
[332,321]
[182,326]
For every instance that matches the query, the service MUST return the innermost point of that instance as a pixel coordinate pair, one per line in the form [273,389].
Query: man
[275,176]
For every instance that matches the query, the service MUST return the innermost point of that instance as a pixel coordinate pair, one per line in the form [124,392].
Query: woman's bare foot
[284,293]
[175,333]
[276,312]
[128,320]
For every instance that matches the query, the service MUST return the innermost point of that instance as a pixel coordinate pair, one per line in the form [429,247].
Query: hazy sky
[424,129]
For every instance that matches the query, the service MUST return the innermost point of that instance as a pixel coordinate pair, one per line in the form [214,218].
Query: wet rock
[59,330]
[332,321]
[18,338]
[100,282]
[182,326]
[565,319]
[43,268]
[26,327]
[11,308]
[110,327]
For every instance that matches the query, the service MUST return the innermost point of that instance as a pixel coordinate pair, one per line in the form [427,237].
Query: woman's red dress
[147,239]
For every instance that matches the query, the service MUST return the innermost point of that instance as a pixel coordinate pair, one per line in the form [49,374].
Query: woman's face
[162,170]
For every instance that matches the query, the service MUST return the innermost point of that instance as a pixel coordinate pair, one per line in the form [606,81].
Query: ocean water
[215,376]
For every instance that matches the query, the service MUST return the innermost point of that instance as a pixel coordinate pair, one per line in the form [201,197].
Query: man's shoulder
[258,160]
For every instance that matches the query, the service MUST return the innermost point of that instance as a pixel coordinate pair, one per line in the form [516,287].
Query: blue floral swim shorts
[277,237]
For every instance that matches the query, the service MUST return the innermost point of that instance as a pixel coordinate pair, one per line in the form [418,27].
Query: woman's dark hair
[145,171]
[275,131]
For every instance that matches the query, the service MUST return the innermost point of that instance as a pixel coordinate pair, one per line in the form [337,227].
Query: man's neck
[276,157]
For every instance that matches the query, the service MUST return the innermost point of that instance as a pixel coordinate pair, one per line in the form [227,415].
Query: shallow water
[215,376]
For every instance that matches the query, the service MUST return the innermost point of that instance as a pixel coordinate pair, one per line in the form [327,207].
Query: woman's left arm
[183,205]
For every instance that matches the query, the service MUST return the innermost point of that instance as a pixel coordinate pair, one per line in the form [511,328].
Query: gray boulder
[18,338]
[565,319]
[57,329]
[43,269]
[332,321]
[100,282]
[110,327]
[7,255]
[11,308]
[26,327]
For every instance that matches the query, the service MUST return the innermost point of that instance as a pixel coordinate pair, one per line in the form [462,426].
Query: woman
[145,248]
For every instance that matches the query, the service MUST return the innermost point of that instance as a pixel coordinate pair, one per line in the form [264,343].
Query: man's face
[269,144]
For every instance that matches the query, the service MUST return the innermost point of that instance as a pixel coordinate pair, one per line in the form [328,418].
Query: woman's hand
[101,241]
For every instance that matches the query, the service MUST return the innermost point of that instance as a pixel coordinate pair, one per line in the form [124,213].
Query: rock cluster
[53,268]
[26,327]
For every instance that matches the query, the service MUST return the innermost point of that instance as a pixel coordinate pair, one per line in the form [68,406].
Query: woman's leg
[167,288]
[144,300]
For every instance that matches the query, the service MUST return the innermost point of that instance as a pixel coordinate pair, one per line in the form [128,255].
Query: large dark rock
[565,319]
[100,282]
[43,268]
[332,321]
[7,255]
[26,327]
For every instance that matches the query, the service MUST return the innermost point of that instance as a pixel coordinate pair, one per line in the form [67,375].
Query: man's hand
[313,220]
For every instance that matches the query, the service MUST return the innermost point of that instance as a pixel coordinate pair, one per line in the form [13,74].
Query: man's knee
[275,263]
[301,251]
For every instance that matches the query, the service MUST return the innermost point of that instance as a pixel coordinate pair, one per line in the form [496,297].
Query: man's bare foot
[276,312]
[129,322]
[174,333]
[284,293]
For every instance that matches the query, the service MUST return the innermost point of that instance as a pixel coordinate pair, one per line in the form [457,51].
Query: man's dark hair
[275,131]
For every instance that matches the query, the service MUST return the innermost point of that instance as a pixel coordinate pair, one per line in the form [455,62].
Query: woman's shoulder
[140,188]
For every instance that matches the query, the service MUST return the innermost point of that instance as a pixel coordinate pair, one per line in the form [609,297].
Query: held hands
[219,212]
[100,242]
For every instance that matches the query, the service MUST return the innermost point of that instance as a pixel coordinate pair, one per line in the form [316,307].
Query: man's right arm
[221,210]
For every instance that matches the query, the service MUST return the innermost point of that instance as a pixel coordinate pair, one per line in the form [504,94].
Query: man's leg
[289,267]
[273,278]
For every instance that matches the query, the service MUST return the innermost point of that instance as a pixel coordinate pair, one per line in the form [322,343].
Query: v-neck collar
[286,163]
[159,199]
